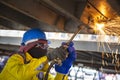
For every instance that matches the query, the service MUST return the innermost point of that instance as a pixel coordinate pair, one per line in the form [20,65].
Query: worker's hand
[67,63]
[58,54]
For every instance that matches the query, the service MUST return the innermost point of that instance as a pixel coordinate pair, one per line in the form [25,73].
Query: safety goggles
[41,45]
[38,44]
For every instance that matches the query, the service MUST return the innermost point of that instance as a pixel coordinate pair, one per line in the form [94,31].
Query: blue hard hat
[33,34]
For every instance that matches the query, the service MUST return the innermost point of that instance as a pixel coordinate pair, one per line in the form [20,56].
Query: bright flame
[99,27]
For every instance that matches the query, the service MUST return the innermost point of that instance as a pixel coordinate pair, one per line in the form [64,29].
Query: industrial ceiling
[65,16]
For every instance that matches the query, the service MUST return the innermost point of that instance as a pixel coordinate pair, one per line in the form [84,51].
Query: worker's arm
[62,70]
[16,67]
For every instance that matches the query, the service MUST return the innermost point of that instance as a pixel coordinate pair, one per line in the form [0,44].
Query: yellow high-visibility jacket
[16,69]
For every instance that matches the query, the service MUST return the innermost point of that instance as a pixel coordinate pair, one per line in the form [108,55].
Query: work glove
[67,63]
[57,53]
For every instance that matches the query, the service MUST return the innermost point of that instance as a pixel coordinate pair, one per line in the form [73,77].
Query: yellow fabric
[61,77]
[15,68]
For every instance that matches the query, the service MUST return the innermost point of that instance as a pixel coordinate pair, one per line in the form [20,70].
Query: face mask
[37,52]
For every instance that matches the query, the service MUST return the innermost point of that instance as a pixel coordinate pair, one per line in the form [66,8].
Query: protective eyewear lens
[41,45]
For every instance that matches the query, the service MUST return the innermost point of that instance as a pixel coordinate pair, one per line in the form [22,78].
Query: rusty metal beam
[60,10]
[5,23]
[67,5]
[80,6]
[72,23]
[115,4]
[10,24]
[35,10]
[48,12]
[23,19]
[3,27]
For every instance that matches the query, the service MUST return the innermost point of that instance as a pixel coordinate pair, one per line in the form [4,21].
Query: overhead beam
[88,56]
[37,12]
[69,5]
[95,56]
[79,45]
[10,24]
[60,10]
[5,23]
[80,6]
[98,56]
[3,27]
[45,12]
[115,4]
[95,64]
[18,17]
[75,22]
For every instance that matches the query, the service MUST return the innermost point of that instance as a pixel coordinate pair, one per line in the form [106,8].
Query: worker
[31,62]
